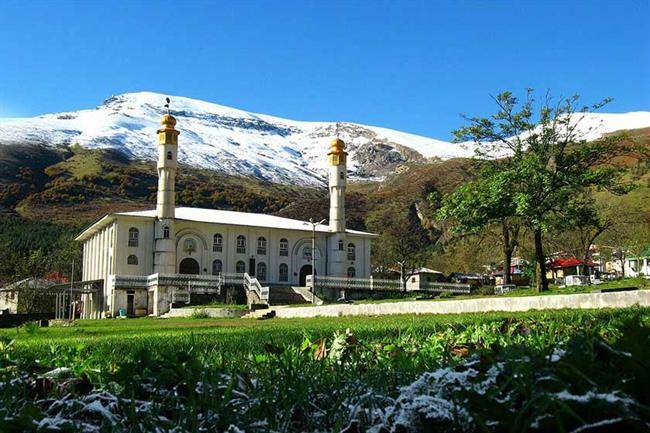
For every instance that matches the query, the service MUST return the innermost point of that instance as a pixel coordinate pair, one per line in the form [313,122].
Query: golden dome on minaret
[337,146]
[168,134]
[337,152]
[168,121]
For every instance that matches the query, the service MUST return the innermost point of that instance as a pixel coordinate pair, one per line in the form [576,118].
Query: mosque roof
[217,216]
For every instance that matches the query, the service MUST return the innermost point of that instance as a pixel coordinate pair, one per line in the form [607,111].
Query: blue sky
[408,65]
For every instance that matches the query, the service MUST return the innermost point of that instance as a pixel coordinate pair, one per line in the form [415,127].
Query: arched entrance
[304,271]
[189,266]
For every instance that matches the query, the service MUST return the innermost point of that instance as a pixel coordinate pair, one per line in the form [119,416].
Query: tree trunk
[540,267]
[507,254]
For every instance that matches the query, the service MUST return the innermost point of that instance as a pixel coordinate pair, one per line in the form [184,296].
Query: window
[351,272]
[169,155]
[166,232]
[261,271]
[306,253]
[284,272]
[284,247]
[132,260]
[241,244]
[352,254]
[342,174]
[240,267]
[134,236]
[217,243]
[217,267]
[341,245]
[261,246]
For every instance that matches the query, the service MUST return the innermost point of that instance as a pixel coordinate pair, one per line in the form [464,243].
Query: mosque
[129,250]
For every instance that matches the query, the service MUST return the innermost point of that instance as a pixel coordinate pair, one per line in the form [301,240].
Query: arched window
[284,247]
[341,245]
[217,267]
[217,243]
[306,253]
[352,253]
[166,232]
[241,244]
[284,272]
[261,246]
[132,260]
[134,236]
[261,271]
[169,155]
[240,267]
[352,272]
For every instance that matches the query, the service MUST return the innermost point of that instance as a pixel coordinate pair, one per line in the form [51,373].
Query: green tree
[483,202]
[548,163]
[402,239]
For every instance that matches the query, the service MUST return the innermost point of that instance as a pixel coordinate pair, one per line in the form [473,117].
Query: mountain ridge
[238,142]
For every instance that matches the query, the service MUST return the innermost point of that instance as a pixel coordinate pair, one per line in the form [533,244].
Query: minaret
[337,182]
[165,245]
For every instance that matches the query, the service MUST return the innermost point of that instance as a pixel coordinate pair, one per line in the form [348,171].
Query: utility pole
[313,257]
[71,285]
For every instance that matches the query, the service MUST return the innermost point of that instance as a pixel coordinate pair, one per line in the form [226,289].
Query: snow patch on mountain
[243,143]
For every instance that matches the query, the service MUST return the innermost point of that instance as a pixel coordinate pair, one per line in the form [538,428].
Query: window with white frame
[284,272]
[240,267]
[352,252]
[217,267]
[241,244]
[284,247]
[261,246]
[217,243]
[261,271]
[134,237]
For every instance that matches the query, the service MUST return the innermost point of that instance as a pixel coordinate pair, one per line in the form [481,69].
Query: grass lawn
[539,371]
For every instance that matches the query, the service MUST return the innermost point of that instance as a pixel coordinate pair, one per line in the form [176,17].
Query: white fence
[348,283]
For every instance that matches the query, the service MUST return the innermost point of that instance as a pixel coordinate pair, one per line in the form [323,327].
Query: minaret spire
[165,247]
[337,184]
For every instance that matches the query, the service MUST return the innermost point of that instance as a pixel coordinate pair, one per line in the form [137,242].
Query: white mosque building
[169,240]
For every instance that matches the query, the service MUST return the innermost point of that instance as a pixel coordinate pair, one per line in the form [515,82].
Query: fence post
[371,284]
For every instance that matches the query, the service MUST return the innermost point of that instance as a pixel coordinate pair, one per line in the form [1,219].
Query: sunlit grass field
[536,371]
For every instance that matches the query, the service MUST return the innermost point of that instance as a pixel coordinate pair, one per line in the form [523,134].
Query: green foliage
[200,313]
[546,168]
[485,372]
[33,248]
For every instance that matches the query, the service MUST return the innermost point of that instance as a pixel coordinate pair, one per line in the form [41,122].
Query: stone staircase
[288,295]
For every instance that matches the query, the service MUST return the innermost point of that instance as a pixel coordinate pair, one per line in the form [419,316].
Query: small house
[421,278]
[559,268]
[638,266]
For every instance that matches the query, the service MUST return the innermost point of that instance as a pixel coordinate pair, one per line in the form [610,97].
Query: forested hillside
[48,195]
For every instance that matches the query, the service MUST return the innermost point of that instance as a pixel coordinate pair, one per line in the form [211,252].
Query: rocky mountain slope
[241,143]
[225,139]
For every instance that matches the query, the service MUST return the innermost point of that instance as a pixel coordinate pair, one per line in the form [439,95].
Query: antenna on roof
[167,105]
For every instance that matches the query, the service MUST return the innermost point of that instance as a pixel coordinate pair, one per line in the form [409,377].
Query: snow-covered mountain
[238,142]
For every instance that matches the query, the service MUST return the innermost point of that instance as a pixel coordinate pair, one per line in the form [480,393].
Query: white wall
[106,252]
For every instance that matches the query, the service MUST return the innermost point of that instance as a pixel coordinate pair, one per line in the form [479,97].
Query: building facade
[172,240]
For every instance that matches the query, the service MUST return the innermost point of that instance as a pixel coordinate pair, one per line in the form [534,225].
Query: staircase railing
[253,285]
